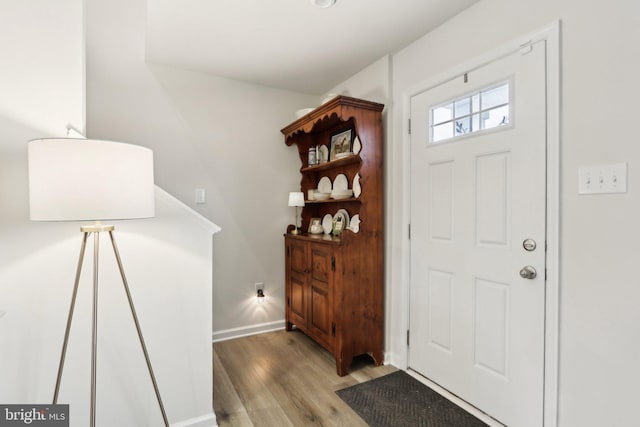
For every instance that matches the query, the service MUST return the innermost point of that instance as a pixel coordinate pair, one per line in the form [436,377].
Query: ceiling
[287,44]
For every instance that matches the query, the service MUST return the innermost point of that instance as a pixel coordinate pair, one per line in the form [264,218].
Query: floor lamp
[81,179]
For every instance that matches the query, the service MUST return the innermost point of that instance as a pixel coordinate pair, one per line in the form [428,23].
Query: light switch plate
[201,196]
[602,179]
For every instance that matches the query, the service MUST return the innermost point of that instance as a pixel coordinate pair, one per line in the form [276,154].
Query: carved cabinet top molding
[341,108]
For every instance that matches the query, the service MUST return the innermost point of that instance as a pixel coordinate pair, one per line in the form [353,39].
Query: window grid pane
[494,97]
[441,114]
[485,109]
[443,131]
[462,107]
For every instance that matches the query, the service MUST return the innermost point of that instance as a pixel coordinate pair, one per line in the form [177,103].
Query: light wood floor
[283,379]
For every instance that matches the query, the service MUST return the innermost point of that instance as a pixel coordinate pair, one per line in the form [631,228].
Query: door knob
[528,272]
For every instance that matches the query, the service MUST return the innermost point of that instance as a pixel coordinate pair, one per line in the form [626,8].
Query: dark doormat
[400,400]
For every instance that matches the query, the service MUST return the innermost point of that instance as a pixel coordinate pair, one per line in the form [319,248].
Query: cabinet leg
[344,363]
[377,357]
[342,366]
[288,326]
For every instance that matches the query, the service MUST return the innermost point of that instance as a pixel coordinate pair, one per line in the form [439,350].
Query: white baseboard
[245,331]
[391,358]
[208,420]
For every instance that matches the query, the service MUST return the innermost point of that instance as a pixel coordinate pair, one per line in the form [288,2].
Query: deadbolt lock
[529,245]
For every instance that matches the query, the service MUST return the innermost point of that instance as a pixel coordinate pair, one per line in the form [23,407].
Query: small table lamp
[296,199]
[81,179]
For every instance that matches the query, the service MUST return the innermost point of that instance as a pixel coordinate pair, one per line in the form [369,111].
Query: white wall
[37,36]
[167,259]
[42,72]
[373,83]
[599,334]
[206,132]
[599,337]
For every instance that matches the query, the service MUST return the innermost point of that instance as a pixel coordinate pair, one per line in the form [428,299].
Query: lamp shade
[323,3]
[296,198]
[84,179]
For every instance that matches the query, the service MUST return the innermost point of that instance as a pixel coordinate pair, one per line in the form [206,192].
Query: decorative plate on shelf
[341,183]
[324,153]
[357,146]
[327,223]
[324,186]
[357,190]
[354,224]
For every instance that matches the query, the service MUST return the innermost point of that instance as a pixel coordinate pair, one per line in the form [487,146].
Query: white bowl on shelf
[328,97]
[303,111]
[341,194]
[321,196]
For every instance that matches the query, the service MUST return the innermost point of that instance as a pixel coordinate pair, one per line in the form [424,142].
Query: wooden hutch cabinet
[334,283]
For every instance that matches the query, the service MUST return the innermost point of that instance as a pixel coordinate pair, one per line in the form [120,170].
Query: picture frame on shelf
[340,144]
[337,226]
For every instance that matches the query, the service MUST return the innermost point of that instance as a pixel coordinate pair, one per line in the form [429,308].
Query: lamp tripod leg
[139,330]
[94,329]
[70,318]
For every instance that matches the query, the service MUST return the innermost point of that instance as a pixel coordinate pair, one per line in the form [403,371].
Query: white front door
[477,199]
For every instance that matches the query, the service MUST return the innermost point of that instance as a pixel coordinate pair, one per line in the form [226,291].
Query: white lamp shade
[83,179]
[296,198]
[323,3]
